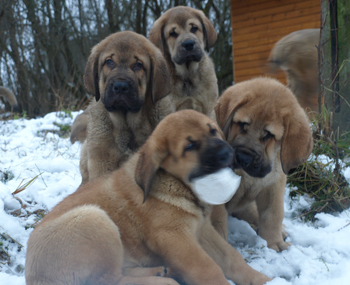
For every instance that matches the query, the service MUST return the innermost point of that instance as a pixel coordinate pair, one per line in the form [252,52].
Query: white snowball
[217,188]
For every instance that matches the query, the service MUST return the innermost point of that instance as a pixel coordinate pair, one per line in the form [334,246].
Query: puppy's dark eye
[138,66]
[173,34]
[242,126]
[194,29]
[109,63]
[191,146]
[213,132]
[268,136]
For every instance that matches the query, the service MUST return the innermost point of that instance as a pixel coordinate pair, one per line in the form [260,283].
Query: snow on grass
[31,149]
[32,152]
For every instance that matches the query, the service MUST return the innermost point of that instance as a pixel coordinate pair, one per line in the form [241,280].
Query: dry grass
[27,209]
[324,181]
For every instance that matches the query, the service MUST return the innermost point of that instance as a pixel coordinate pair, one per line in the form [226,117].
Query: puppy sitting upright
[129,79]
[270,133]
[184,35]
[116,229]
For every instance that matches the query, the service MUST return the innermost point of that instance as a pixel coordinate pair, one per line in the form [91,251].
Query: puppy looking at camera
[184,34]
[124,227]
[128,76]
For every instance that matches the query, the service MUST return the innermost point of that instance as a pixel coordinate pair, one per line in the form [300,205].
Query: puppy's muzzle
[189,50]
[121,87]
[188,45]
[250,162]
[244,159]
[216,155]
[121,95]
[224,156]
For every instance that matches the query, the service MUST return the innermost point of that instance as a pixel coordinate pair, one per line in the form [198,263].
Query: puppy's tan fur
[193,79]
[262,119]
[104,229]
[296,54]
[112,136]
[6,93]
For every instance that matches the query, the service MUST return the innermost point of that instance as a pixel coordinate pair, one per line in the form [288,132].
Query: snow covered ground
[32,151]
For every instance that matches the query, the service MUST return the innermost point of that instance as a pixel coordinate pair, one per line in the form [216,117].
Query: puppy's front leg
[187,104]
[185,257]
[271,213]
[231,262]
[219,220]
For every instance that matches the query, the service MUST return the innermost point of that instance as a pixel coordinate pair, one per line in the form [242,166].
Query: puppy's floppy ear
[159,82]
[209,32]
[156,35]
[297,141]
[91,74]
[221,110]
[152,154]
[226,107]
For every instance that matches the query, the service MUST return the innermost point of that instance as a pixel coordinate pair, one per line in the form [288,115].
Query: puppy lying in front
[123,228]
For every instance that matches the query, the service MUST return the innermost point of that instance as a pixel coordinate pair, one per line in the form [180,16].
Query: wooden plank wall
[258,24]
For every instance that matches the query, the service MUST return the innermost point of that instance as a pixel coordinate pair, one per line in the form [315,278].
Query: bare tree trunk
[138,16]
[342,116]
[336,62]
[113,27]
[22,83]
[144,18]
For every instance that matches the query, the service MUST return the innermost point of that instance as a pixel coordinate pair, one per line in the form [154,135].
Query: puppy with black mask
[129,79]
[184,35]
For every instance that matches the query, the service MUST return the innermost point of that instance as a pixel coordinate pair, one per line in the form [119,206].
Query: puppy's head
[183,33]
[126,70]
[261,119]
[186,144]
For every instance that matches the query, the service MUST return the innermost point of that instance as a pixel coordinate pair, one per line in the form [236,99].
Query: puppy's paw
[280,246]
[284,232]
[260,279]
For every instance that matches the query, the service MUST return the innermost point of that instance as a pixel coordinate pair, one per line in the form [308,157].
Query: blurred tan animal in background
[270,133]
[184,34]
[11,98]
[296,54]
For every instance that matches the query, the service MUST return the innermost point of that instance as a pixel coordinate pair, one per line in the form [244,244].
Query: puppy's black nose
[120,87]
[225,156]
[188,45]
[243,159]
